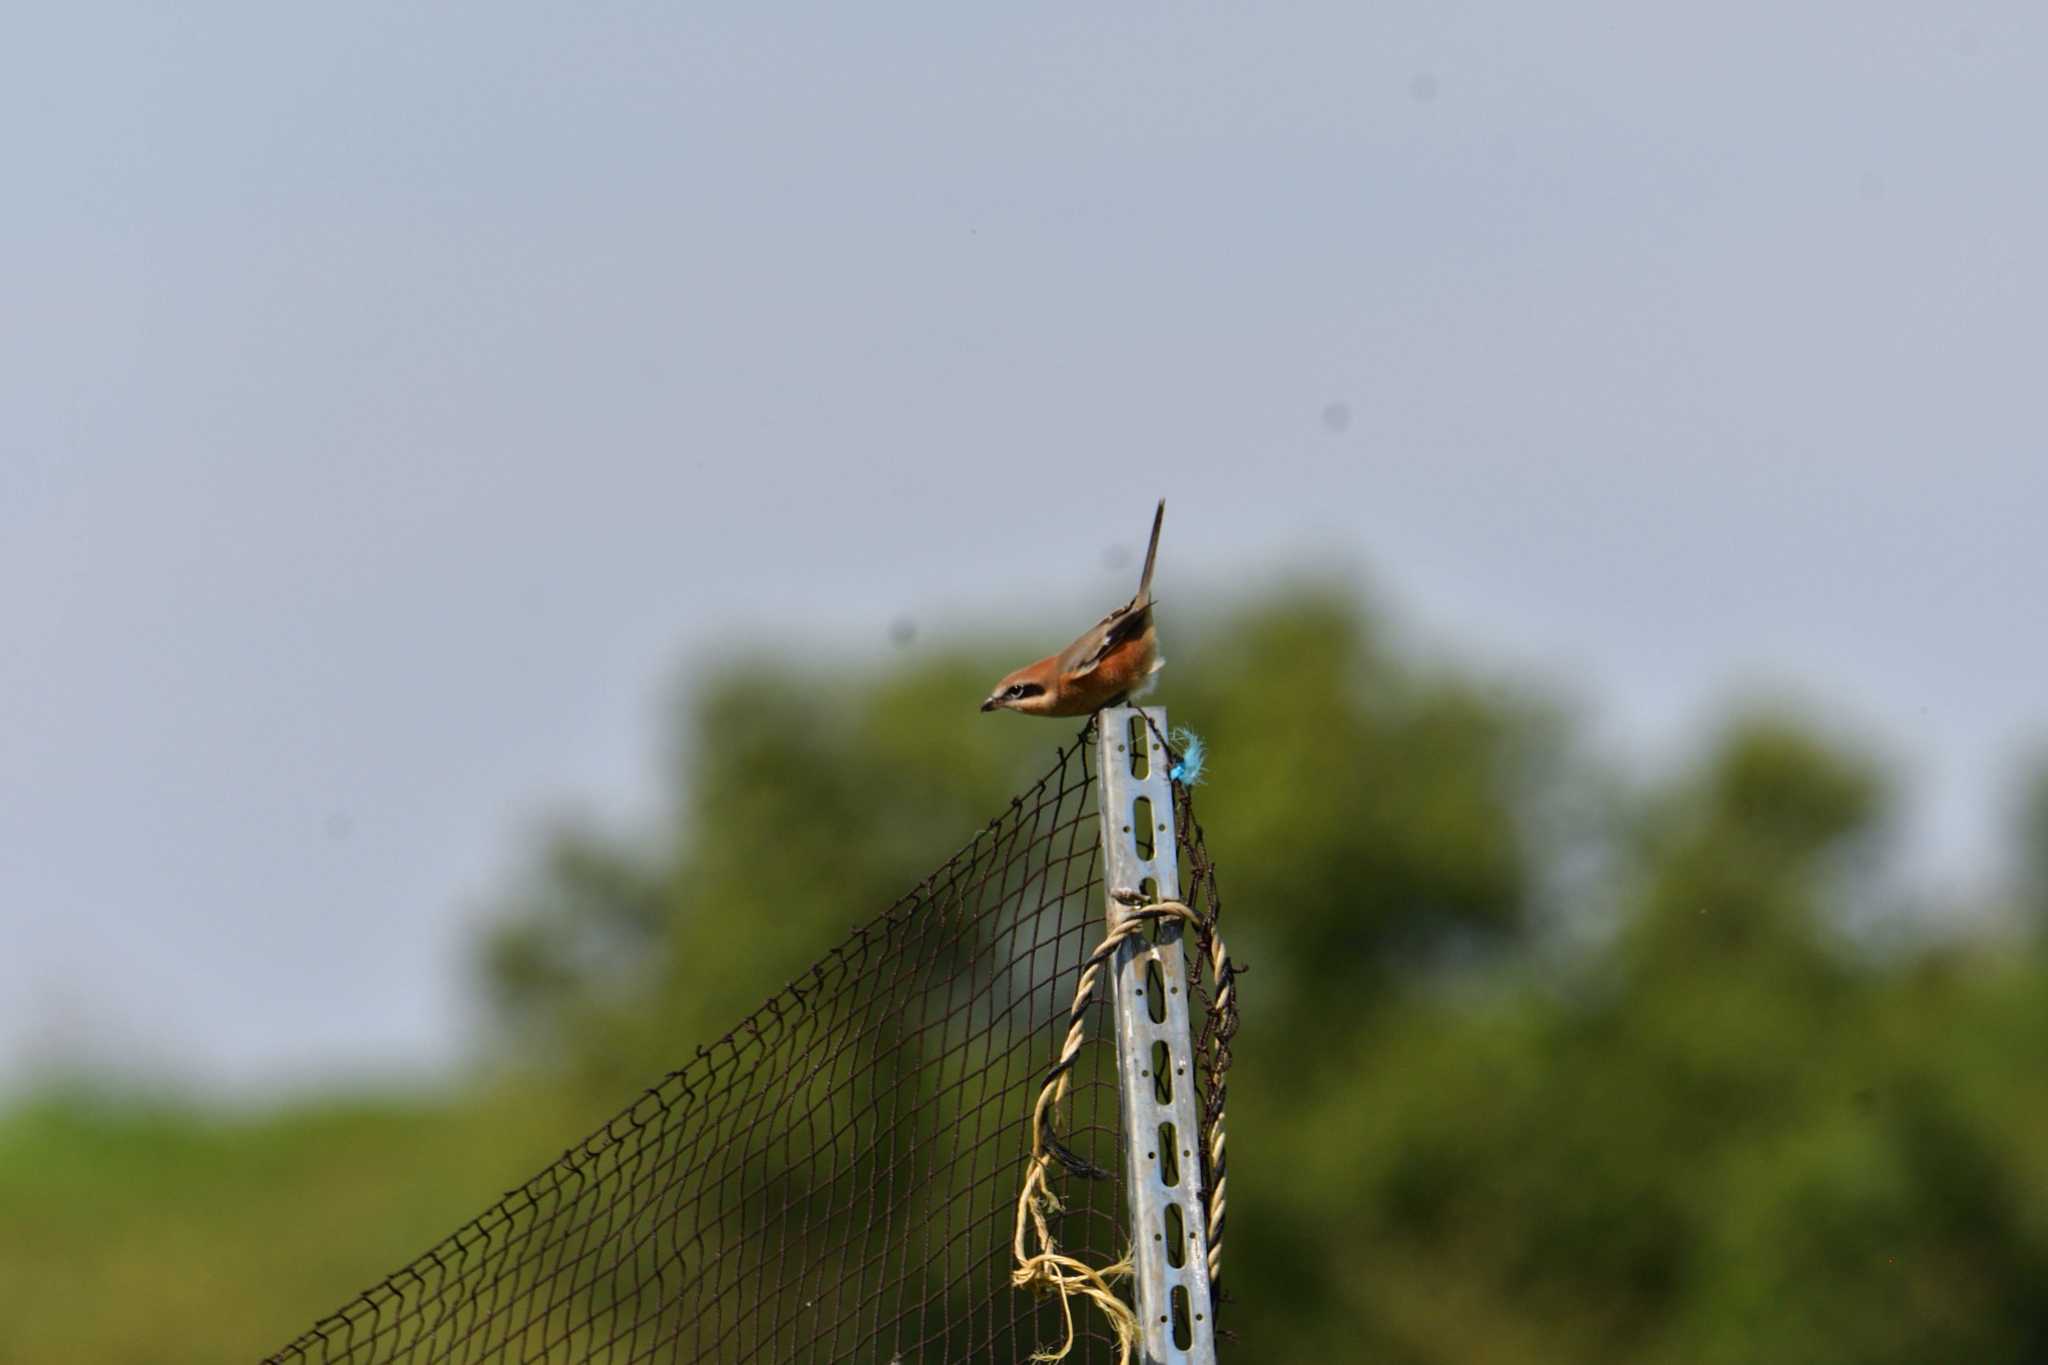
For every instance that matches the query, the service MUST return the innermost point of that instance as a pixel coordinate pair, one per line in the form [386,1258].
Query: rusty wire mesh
[835,1179]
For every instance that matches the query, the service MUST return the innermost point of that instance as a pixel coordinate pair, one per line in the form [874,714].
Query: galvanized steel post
[1155,1063]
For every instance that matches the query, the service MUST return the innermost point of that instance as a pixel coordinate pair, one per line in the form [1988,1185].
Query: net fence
[836,1179]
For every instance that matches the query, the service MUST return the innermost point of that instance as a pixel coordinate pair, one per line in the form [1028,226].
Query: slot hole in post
[1155,992]
[1162,1074]
[1149,889]
[1176,1238]
[1141,749]
[1141,828]
[1169,1156]
[1183,1329]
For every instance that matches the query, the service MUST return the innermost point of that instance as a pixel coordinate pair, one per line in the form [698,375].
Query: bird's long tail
[1151,553]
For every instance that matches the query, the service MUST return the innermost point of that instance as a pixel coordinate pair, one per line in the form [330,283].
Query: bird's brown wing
[1126,623]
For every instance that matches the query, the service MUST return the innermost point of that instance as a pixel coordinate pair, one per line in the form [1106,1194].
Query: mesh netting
[836,1179]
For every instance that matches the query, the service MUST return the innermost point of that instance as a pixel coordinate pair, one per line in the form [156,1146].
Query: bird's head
[1028,690]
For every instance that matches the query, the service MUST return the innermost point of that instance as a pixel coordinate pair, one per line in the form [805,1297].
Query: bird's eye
[1015,690]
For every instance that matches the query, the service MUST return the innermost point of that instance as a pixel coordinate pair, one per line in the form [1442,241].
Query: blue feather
[1187,770]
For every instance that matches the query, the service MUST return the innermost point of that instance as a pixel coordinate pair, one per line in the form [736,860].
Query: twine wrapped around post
[1047,1270]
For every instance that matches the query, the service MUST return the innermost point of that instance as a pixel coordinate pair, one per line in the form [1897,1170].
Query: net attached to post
[836,1179]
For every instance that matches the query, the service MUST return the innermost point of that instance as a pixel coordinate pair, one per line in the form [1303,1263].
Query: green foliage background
[1539,1062]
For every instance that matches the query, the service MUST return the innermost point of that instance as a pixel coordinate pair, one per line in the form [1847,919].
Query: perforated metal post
[1155,1063]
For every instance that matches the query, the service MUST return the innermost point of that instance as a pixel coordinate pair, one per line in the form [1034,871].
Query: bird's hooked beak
[992,703]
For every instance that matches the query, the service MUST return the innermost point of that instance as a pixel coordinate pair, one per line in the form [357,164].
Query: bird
[1113,659]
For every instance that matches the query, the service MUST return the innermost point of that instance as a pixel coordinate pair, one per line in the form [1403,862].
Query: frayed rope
[1046,1270]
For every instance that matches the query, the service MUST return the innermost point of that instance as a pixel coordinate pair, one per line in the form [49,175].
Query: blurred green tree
[1719,1134]
[2030,839]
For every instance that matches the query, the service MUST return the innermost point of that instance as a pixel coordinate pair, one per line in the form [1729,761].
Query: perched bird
[1105,666]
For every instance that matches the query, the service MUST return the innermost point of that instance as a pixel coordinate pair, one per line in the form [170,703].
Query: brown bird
[1105,666]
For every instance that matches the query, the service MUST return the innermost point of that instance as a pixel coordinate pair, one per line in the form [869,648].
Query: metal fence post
[1155,1064]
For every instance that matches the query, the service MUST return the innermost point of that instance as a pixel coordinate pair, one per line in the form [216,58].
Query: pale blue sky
[394,395]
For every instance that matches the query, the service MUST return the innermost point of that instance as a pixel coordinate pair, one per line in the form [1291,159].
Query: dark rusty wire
[835,1179]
